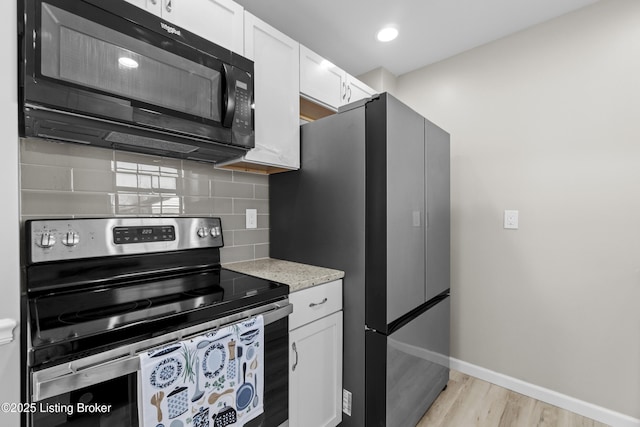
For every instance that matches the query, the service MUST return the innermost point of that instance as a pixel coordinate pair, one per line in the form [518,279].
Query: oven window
[77,50]
[109,404]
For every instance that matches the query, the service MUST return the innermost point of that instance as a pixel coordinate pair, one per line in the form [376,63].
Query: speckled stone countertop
[297,276]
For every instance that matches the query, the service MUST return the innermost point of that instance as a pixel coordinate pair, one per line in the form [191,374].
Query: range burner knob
[46,240]
[71,238]
[215,231]
[202,232]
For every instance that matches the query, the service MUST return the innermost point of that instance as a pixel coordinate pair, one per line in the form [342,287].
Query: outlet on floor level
[252,218]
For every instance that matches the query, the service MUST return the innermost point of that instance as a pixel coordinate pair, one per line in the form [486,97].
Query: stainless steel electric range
[99,292]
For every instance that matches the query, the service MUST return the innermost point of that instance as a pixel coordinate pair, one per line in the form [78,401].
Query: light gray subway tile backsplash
[73,180]
[39,177]
[93,180]
[237,253]
[198,187]
[222,205]
[232,189]
[248,237]
[240,205]
[232,222]
[251,178]
[40,152]
[207,171]
[126,204]
[261,250]
[261,192]
[263,221]
[197,206]
[69,203]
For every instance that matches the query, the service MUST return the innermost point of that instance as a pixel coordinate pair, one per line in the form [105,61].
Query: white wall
[9,219]
[380,79]
[547,122]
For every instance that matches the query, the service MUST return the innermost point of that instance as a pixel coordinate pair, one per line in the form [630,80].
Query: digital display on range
[161,233]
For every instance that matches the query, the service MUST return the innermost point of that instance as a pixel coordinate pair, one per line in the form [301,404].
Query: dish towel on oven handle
[250,364]
[211,380]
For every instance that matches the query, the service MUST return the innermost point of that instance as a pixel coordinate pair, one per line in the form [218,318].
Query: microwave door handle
[229,102]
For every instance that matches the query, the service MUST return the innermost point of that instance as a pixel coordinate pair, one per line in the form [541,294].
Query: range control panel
[66,239]
[141,234]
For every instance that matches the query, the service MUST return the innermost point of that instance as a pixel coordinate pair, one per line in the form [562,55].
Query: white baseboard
[598,413]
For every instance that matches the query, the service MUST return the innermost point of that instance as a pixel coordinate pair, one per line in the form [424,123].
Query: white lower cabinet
[315,357]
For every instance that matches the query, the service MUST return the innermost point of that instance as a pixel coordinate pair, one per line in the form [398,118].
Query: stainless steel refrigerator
[372,199]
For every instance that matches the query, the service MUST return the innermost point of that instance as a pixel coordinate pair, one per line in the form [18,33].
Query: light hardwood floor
[470,402]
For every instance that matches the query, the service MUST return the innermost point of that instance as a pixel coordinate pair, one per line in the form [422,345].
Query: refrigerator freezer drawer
[411,366]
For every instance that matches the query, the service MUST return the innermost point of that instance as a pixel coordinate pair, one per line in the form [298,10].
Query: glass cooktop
[144,306]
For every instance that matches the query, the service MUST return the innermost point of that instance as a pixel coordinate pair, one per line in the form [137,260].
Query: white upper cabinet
[354,90]
[326,84]
[320,80]
[153,6]
[219,21]
[276,95]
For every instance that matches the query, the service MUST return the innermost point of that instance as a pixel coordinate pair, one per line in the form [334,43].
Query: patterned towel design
[213,380]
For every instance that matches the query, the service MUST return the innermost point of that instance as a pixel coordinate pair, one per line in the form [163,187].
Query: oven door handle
[93,370]
[46,388]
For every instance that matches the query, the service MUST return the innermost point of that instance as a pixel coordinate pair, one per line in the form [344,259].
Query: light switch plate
[511,219]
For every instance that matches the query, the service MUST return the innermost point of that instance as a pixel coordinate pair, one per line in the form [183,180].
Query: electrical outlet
[347,400]
[511,219]
[252,218]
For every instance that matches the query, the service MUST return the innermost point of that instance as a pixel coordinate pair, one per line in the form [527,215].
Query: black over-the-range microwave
[110,74]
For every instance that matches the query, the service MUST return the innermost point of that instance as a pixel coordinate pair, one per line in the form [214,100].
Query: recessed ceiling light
[128,62]
[387,34]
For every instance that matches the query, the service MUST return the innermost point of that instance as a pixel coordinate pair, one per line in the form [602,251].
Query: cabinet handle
[313,304]
[295,350]
[349,89]
[344,91]
[168,6]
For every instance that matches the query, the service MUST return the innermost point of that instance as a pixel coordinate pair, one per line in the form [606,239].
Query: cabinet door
[356,90]
[320,80]
[152,6]
[315,376]
[219,21]
[276,93]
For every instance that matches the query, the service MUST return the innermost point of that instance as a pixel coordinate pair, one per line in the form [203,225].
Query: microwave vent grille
[151,143]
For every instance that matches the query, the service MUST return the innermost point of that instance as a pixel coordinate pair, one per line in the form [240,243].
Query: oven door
[83,59]
[101,390]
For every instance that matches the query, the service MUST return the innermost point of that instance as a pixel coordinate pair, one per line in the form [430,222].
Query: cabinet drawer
[313,303]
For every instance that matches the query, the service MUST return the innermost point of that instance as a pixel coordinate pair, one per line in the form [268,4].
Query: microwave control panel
[242,119]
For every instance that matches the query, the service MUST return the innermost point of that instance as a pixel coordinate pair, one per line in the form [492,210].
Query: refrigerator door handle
[417,220]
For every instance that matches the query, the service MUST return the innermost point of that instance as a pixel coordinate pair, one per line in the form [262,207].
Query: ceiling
[430,30]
